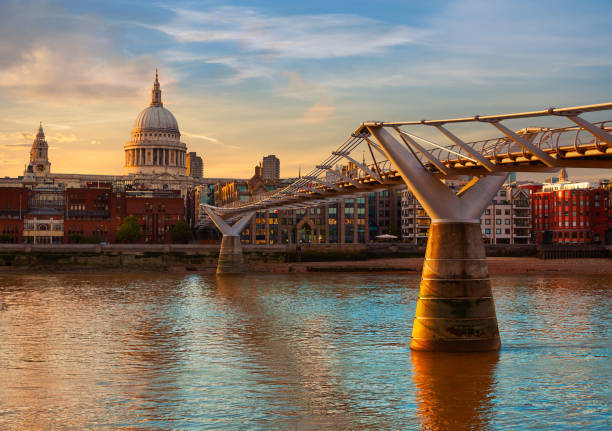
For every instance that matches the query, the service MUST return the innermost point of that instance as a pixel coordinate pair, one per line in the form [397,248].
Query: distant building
[570,213]
[270,170]
[157,212]
[195,165]
[154,158]
[156,146]
[52,214]
[506,220]
[344,221]
[39,165]
[384,212]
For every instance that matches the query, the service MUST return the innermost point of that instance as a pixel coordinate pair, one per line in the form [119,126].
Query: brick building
[157,212]
[570,213]
[13,206]
[51,214]
[90,214]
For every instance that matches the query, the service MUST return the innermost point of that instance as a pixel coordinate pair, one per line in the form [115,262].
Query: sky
[250,78]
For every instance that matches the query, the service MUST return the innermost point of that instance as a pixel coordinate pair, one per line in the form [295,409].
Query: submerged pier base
[230,256]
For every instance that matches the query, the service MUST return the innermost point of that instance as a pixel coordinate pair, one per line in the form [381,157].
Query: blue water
[295,351]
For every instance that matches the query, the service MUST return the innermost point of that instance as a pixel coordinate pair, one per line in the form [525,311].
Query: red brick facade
[570,216]
[92,214]
[156,211]
[13,207]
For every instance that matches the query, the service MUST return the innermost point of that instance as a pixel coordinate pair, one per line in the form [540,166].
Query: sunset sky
[249,78]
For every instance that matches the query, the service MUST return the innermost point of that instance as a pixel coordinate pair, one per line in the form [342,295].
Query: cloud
[298,36]
[209,139]
[61,138]
[193,135]
[320,112]
[62,58]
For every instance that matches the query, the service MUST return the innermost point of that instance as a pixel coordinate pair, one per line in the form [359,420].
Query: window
[487,212]
[497,231]
[488,231]
[507,221]
[498,211]
[507,231]
[487,221]
[497,221]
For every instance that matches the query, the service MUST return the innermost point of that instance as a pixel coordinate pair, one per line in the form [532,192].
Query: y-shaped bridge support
[455,310]
[230,254]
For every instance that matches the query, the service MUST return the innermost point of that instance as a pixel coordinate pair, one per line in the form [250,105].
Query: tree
[129,231]
[392,230]
[180,232]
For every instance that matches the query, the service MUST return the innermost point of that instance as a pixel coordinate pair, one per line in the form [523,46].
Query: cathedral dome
[156,118]
[156,145]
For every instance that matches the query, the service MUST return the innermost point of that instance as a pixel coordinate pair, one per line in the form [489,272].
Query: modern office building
[270,169]
[195,165]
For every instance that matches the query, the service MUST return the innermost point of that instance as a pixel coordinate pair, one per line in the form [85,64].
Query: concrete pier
[455,309]
[230,256]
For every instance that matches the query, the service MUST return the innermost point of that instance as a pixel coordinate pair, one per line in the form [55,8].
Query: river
[293,351]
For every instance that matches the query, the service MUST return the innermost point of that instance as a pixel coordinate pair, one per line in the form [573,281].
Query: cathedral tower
[39,155]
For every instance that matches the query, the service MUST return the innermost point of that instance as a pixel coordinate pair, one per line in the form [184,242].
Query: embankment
[276,258]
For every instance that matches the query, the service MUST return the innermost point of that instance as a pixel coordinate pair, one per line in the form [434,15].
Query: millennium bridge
[455,309]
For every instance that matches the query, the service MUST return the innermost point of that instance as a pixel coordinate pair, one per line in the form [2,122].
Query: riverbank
[497,266]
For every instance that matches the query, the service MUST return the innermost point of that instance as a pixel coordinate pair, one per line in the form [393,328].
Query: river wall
[204,256]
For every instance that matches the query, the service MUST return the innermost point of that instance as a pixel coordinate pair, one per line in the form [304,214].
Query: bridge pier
[230,254]
[455,310]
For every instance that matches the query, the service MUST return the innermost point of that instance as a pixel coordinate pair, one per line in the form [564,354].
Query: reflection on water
[454,390]
[314,351]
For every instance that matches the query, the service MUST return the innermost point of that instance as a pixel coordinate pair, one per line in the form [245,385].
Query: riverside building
[571,213]
[506,220]
[344,221]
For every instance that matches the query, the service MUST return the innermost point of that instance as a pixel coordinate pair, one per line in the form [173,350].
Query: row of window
[498,231]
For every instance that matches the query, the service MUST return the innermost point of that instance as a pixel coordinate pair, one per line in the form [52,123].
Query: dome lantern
[156,93]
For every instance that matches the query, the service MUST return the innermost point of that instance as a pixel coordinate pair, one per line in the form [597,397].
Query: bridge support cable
[455,309]
[593,129]
[361,166]
[465,147]
[230,254]
[339,174]
[324,183]
[433,160]
[544,158]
